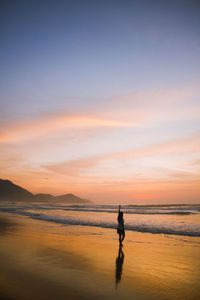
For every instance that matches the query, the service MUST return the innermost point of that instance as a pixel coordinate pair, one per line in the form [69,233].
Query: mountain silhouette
[12,192]
[70,198]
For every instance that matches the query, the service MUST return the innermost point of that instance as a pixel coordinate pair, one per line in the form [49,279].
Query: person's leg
[120,238]
[123,236]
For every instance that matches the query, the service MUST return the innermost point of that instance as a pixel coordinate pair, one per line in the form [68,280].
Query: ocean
[179,220]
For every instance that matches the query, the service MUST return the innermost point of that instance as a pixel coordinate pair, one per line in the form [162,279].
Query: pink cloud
[55,123]
[178,146]
[125,111]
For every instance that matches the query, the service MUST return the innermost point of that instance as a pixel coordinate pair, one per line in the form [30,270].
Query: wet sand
[43,260]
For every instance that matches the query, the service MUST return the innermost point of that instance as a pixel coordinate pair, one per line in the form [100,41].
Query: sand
[44,260]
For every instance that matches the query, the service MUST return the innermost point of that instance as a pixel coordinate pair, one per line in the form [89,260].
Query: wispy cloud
[174,147]
[117,112]
[196,162]
[123,146]
[56,123]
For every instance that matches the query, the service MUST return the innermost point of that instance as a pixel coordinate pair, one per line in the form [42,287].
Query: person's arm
[118,213]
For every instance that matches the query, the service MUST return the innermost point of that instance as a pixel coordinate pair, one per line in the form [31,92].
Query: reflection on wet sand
[119,265]
[6,225]
[43,260]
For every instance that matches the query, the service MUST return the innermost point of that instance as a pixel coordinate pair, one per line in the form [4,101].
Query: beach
[100,140]
[46,260]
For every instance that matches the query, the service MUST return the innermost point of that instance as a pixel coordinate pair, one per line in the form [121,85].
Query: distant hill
[43,197]
[12,192]
[70,198]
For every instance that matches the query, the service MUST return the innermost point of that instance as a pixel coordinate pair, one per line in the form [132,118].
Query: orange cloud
[178,146]
[196,162]
[102,189]
[52,124]
[30,149]
[125,111]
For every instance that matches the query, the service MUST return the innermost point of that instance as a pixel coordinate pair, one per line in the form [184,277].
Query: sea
[179,220]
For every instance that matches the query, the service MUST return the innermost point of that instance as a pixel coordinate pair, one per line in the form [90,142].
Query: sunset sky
[101,99]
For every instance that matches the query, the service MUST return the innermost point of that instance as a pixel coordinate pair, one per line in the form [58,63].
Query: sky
[101,99]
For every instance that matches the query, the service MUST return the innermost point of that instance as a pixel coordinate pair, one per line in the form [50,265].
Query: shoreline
[167,221]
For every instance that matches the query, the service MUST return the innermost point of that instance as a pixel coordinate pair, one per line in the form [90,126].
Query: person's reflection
[119,265]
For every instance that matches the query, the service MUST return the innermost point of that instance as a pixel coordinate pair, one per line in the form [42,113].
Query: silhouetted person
[120,226]
[119,264]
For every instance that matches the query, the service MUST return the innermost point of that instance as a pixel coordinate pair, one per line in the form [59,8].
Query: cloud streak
[57,123]
[141,145]
[174,147]
[117,112]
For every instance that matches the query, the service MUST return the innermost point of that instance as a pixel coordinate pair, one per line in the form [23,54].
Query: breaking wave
[134,224]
